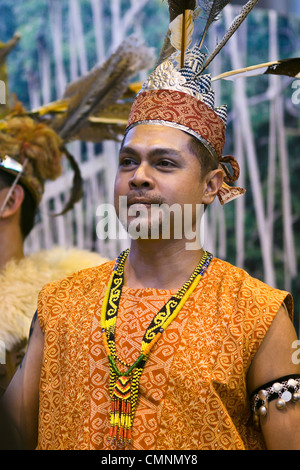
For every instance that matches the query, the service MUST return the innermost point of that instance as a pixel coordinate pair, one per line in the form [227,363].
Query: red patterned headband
[176,107]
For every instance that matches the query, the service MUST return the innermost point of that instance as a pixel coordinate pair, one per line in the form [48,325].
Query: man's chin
[141,229]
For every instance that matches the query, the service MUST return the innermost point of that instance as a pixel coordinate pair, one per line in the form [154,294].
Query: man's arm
[274,359]
[19,405]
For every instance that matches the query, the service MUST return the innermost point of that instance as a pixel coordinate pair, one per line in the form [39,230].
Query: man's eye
[165,163]
[126,161]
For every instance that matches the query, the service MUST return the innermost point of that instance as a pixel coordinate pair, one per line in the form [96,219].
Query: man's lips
[143,200]
[134,201]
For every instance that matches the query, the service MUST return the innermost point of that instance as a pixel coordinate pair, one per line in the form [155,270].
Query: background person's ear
[14,201]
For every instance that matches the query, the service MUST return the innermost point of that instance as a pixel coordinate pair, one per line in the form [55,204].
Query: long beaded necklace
[124,386]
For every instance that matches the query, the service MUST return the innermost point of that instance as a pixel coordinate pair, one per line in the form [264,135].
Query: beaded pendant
[124,386]
[121,419]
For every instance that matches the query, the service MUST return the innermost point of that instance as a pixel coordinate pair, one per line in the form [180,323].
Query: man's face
[157,167]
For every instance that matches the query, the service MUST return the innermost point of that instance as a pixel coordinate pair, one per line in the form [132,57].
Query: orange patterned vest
[193,392]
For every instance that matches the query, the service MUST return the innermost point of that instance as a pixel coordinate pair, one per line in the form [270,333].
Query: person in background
[30,154]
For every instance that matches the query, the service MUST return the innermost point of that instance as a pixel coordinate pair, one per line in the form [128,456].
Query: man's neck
[160,264]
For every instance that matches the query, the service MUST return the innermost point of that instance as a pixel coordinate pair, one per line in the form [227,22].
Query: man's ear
[14,202]
[213,183]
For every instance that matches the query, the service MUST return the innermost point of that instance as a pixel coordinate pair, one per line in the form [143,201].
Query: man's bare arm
[274,359]
[19,405]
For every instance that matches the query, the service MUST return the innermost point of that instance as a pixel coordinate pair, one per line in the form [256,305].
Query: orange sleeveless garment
[193,391]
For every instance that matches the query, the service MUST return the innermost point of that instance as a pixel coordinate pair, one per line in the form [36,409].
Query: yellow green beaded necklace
[124,386]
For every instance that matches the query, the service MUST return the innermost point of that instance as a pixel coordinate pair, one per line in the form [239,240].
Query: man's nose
[142,177]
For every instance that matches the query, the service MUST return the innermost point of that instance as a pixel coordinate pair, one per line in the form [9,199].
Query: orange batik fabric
[193,392]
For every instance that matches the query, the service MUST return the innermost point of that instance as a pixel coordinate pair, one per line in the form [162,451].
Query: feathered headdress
[179,94]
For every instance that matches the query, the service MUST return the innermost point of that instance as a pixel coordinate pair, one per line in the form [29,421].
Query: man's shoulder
[84,277]
[230,273]
[79,288]
[244,286]
[94,271]
[235,274]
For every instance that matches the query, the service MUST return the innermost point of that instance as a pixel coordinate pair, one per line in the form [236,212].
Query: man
[164,348]
[30,154]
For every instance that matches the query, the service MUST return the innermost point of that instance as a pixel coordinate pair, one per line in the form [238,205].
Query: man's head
[30,154]
[33,146]
[172,149]
[183,99]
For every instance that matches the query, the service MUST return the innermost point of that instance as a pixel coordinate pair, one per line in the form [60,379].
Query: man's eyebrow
[161,151]
[165,152]
[128,150]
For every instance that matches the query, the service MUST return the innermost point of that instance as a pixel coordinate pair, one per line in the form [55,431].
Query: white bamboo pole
[219,216]
[76,32]
[273,92]
[289,246]
[269,275]
[33,89]
[240,203]
[130,17]
[117,30]
[97,9]
[289,258]
[55,13]
[78,35]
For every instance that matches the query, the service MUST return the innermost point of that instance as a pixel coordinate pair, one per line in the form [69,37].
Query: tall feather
[212,8]
[181,25]
[166,50]
[103,85]
[288,67]
[238,20]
